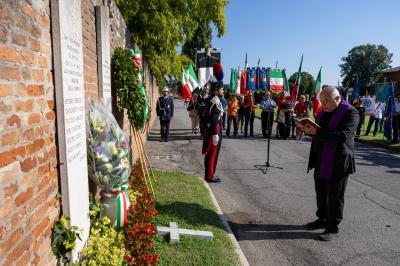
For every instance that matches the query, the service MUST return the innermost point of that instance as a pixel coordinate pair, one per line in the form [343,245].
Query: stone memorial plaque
[70,101]
[103,54]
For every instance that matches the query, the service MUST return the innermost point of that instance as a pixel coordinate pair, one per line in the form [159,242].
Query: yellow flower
[124,162]
[113,150]
[109,167]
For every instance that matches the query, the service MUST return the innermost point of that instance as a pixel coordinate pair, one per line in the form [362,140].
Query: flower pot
[108,202]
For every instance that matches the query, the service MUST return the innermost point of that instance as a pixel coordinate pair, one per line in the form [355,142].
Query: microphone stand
[269,133]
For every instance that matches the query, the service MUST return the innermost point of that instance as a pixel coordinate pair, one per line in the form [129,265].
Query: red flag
[243,77]
[186,94]
[293,92]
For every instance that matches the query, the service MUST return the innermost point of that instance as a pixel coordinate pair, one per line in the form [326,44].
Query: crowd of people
[380,120]
[239,114]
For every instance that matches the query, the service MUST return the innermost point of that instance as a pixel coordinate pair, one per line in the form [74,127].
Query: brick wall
[28,162]
[89,48]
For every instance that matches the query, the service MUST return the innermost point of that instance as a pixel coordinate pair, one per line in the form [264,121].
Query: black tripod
[269,133]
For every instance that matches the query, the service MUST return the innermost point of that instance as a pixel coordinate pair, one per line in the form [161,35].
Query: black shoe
[161,140]
[328,235]
[166,140]
[317,224]
[215,179]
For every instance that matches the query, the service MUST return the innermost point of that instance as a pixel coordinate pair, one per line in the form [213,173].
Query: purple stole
[329,149]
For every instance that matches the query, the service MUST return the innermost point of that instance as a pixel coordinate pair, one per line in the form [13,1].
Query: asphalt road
[267,210]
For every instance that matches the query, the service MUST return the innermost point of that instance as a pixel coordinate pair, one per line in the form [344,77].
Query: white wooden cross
[174,233]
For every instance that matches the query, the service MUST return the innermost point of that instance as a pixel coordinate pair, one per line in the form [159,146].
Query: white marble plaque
[103,54]
[68,72]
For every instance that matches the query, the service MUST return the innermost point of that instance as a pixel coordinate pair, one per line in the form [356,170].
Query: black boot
[215,179]
[317,224]
[330,233]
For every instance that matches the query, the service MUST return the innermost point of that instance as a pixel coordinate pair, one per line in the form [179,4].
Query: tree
[159,27]
[365,63]
[201,38]
[307,81]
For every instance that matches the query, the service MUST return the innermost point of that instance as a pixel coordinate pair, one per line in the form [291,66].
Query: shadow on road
[383,158]
[270,231]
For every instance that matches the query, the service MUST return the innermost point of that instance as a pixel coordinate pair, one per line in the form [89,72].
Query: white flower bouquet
[108,148]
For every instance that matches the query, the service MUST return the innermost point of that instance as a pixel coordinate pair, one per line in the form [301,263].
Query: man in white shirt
[376,117]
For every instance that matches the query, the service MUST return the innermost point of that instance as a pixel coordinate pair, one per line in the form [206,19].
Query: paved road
[267,212]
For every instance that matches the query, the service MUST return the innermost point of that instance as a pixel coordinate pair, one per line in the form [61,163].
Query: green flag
[285,82]
[233,81]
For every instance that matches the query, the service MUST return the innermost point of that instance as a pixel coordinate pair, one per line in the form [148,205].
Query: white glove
[215,139]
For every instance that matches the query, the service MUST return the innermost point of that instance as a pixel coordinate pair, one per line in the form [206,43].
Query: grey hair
[331,92]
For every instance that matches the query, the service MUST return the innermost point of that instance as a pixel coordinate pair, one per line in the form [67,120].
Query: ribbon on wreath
[123,203]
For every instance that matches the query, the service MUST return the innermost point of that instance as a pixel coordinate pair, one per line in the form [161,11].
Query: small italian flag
[276,84]
[186,92]
[316,92]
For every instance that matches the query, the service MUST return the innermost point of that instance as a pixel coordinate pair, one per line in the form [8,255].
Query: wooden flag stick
[142,159]
[147,160]
[137,145]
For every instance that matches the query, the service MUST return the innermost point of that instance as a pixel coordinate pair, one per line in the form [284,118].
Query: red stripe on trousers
[213,152]
[212,160]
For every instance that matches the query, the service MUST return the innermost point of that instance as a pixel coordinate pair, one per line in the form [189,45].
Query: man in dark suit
[332,156]
[165,110]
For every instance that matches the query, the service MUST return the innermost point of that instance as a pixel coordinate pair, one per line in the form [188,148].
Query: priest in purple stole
[332,157]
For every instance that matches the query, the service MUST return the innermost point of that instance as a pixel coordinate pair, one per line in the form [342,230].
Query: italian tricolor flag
[276,84]
[186,92]
[316,92]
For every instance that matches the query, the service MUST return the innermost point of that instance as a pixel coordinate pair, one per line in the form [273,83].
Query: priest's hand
[309,130]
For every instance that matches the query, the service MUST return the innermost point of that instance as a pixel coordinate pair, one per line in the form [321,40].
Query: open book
[307,122]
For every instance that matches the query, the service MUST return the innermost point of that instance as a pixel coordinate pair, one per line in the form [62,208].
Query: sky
[323,31]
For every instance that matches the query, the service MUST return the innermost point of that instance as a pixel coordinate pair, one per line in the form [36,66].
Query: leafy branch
[63,239]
